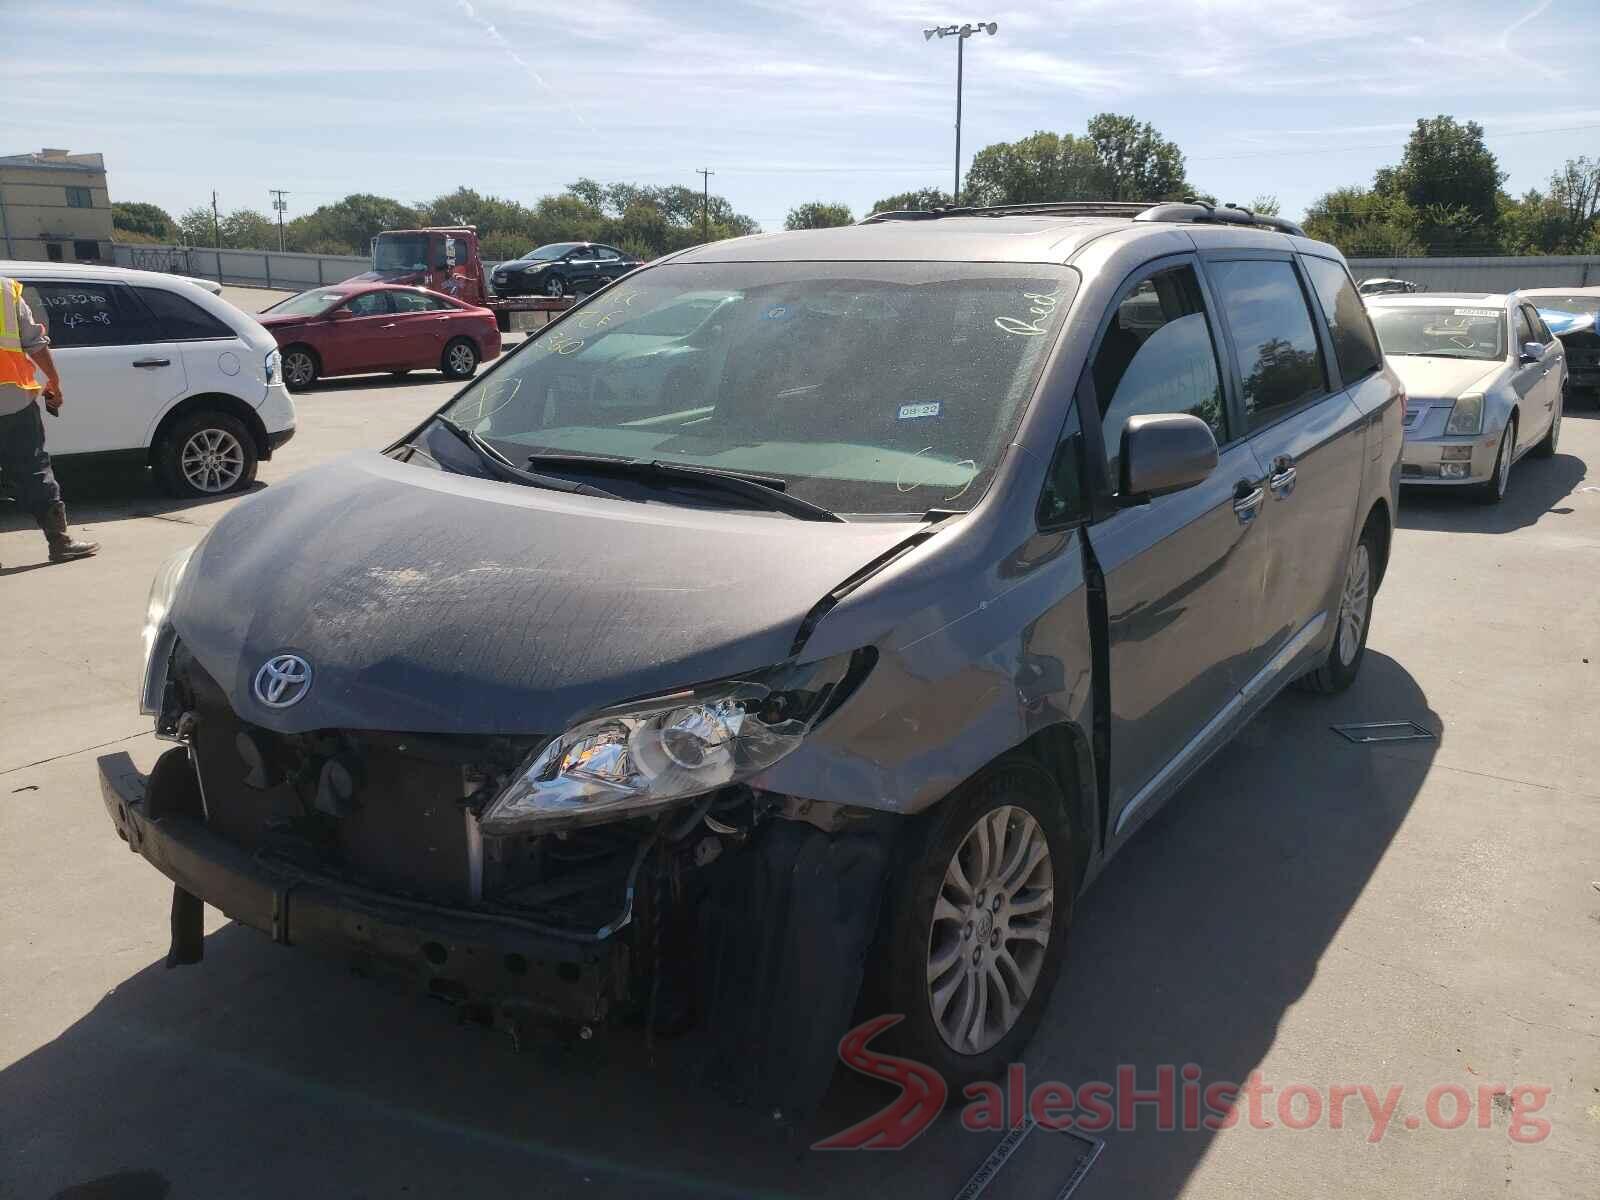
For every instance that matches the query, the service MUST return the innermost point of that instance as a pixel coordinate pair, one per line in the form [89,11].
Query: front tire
[1547,444]
[976,922]
[459,360]
[1494,490]
[206,454]
[555,287]
[300,368]
[1339,670]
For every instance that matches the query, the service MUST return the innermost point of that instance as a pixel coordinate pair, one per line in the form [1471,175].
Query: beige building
[54,207]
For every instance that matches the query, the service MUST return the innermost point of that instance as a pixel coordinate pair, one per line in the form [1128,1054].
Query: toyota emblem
[284,679]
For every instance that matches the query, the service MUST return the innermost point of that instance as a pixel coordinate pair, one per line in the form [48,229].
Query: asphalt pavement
[1424,914]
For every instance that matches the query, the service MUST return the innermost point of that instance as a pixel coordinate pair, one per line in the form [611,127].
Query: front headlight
[273,363]
[1467,415]
[158,634]
[644,756]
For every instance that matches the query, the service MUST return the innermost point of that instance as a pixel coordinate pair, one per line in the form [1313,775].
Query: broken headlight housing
[647,755]
[158,634]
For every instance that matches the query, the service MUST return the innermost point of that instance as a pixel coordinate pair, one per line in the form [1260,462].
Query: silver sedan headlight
[644,756]
[158,633]
[1467,415]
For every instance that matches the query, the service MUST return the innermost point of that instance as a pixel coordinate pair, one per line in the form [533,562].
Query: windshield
[867,387]
[306,304]
[408,253]
[545,253]
[1444,331]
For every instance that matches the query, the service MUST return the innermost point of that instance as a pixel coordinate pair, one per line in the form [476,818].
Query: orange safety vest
[15,365]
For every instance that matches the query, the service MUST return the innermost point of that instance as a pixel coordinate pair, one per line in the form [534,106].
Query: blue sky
[786,102]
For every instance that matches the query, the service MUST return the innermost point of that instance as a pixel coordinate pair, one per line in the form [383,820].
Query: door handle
[390,325]
[1247,500]
[1281,481]
[148,363]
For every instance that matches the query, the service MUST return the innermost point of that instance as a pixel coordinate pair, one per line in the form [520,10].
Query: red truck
[446,259]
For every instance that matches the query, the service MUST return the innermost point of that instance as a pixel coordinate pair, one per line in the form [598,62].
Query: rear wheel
[460,359]
[300,368]
[206,454]
[1338,671]
[977,921]
[1494,490]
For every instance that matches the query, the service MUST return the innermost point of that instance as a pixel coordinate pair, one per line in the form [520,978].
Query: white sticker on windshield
[910,412]
[1478,312]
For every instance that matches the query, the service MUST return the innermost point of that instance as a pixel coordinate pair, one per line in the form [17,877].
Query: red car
[354,328]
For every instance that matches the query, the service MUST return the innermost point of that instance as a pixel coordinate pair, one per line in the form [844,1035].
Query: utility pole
[961,33]
[705,203]
[216,227]
[280,204]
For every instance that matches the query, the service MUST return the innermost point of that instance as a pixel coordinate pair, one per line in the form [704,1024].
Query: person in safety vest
[24,352]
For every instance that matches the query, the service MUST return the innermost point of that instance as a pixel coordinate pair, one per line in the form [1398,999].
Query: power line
[1496,137]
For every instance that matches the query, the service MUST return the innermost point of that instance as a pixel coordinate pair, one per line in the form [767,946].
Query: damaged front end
[628,869]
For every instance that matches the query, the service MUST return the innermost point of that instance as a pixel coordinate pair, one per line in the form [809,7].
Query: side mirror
[1532,352]
[1164,453]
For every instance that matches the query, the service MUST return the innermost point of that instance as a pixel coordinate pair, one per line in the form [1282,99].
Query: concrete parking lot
[1424,915]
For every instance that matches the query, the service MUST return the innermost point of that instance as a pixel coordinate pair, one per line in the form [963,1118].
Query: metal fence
[1484,274]
[246,268]
[295,272]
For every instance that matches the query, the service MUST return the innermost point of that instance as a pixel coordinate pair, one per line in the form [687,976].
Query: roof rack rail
[1186,211]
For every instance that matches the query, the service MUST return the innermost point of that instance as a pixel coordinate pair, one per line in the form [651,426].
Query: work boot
[63,547]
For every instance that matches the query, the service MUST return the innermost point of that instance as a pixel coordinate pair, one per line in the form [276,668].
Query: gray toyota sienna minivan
[789,632]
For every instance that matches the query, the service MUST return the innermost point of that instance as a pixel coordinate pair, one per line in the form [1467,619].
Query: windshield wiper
[503,468]
[767,491]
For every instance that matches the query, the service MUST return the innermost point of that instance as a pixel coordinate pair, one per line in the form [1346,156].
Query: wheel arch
[1063,750]
[1381,522]
[206,401]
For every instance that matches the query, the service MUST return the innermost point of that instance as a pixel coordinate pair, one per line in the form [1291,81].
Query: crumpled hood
[1443,378]
[439,603]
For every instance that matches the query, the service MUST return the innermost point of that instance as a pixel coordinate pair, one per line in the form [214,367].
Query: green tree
[818,215]
[194,227]
[348,226]
[1446,170]
[917,201]
[1576,190]
[1266,206]
[147,220]
[1364,223]
[1136,162]
[1041,167]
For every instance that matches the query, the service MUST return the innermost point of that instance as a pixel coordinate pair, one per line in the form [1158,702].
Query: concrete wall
[248,268]
[1484,274]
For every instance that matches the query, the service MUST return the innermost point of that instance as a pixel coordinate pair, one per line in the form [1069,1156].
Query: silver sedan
[1485,384]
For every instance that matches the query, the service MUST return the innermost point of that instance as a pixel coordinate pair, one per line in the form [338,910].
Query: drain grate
[1026,1156]
[1385,731]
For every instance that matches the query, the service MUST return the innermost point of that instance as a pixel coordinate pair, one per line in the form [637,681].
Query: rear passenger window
[1355,342]
[1157,356]
[1279,359]
[89,314]
[181,320]
[407,302]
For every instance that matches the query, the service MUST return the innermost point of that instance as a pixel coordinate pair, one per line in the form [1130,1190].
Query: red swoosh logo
[904,1119]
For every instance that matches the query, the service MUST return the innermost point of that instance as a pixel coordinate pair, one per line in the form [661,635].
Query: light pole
[961,33]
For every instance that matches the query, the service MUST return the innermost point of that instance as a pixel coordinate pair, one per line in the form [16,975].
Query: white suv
[157,369]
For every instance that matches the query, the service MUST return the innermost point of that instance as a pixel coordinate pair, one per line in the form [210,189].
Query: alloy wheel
[1353,604]
[1503,467]
[555,288]
[298,369]
[462,359]
[991,927]
[212,460]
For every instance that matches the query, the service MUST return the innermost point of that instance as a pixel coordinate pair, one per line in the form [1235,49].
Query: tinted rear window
[180,319]
[1355,344]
